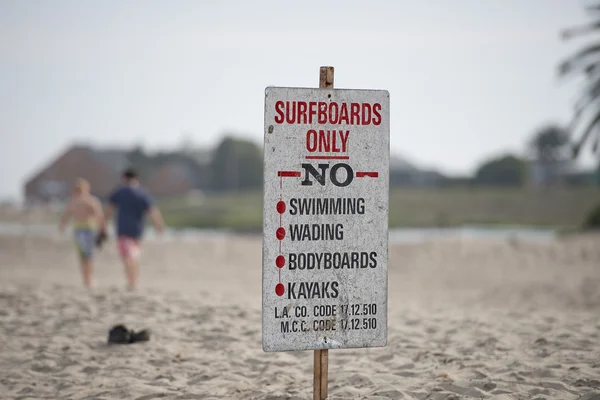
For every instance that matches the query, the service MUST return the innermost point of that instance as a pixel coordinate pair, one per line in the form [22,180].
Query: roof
[114,159]
[186,164]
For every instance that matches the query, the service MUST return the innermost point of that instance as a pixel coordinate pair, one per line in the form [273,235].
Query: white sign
[325,218]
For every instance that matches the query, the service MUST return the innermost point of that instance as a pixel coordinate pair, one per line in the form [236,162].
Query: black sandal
[119,334]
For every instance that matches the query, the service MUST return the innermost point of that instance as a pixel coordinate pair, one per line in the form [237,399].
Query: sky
[468,79]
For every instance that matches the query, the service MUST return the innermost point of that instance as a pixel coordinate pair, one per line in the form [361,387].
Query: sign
[325,218]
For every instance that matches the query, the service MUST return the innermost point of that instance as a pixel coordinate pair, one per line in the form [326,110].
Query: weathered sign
[326,184]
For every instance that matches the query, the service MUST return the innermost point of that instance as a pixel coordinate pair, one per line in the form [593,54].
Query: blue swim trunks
[85,240]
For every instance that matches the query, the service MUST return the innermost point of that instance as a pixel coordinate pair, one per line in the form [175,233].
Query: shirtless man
[88,218]
[132,204]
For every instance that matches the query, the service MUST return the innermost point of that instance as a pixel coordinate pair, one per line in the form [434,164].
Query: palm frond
[569,67]
[580,30]
[586,52]
[584,60]
[589,95]
[591,69]
[592,8]
[593,124]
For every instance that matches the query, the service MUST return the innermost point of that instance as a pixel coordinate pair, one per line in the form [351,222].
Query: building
[170,175]
[53,182]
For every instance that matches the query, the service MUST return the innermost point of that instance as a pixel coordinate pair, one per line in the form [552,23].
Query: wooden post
[320,374]
[326,78]
[321,357]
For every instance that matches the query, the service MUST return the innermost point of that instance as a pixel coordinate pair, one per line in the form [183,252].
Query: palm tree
[549,147]
[585,62]
[548,144]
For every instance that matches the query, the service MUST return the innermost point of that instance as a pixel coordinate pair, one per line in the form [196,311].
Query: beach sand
[498,319]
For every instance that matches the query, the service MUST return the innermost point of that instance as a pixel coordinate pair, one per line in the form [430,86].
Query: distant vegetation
[505,171]
[236,165]
[500,191]
[553,207]
[568,208]
[592,220]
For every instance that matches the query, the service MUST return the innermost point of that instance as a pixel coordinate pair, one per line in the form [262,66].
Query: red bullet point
[280,233]
[280,261]
[280,207]
[279,289]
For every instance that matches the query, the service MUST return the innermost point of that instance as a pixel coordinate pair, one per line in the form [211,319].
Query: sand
[467,319]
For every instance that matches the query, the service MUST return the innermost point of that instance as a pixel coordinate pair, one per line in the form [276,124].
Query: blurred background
[493,110]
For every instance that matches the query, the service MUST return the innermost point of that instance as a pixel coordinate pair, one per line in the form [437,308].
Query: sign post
[325,220]
[321,357]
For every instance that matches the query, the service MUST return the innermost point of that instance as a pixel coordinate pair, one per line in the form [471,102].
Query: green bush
[592,220]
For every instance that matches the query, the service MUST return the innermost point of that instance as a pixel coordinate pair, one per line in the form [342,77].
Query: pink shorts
[128,247]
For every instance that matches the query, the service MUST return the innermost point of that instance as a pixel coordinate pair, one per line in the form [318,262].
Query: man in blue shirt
[132,204]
